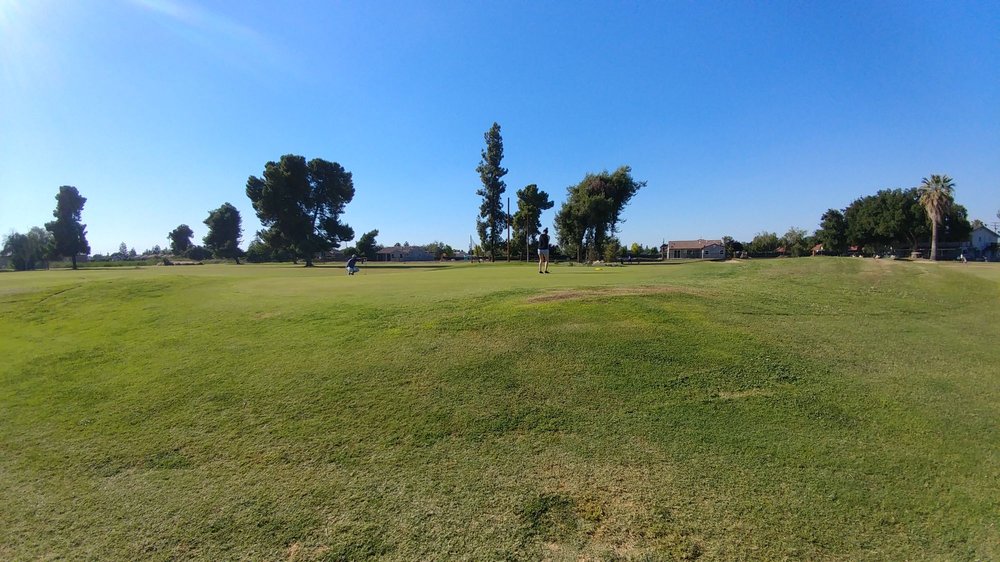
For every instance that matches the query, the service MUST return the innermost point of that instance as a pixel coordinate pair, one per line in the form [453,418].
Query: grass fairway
[816,408]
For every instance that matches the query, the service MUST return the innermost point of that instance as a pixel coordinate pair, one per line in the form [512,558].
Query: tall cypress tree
[69,236]
[492,219]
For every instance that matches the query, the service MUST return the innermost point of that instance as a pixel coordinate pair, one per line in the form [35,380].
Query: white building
[984,242]
[404,254]
[700,249]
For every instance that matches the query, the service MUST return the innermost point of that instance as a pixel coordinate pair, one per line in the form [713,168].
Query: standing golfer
[351,269]
[543,251]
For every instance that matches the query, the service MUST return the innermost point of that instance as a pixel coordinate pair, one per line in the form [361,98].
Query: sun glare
[6,7]
[11,33]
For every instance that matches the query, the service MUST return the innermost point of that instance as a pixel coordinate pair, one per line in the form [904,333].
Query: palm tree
[936,197]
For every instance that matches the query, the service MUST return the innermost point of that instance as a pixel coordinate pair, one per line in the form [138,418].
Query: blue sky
[741,116]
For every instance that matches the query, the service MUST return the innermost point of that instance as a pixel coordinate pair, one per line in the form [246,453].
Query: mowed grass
[816,408]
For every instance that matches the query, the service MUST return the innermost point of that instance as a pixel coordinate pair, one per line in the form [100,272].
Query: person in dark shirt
[543,251]
[351,265]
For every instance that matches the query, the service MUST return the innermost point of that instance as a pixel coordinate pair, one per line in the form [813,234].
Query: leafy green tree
[832,233]
[955,225]
[199,253]
[531,201]
[366,245]
[612,248]
[592,211]
[27,250]
[732,247]
[69,235]
[571,222]
[300,204]
[796,242]
[890,216]
[225,229]
[492,219]
[764,243]
[936,196]
[259,251]
[180,239]
[439,250]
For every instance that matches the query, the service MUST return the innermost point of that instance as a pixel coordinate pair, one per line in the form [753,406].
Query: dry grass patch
[611,292]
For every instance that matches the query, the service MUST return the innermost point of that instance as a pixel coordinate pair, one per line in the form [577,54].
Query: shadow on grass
[377,266]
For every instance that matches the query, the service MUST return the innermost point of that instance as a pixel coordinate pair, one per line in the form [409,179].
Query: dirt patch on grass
[587,510]
[609,292]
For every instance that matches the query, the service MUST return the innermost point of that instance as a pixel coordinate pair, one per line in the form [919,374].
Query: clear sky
[741,116]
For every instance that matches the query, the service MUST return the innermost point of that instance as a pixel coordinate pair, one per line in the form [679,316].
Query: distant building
[404,253]
[700,249]
[331,255]
[984,242]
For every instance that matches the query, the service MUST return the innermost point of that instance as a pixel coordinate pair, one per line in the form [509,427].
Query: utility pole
[508,230]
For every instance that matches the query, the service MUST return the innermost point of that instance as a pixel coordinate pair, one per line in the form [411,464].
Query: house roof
[987,229]
[699,244]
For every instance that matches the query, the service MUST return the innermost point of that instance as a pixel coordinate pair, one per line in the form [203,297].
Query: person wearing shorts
[543,251]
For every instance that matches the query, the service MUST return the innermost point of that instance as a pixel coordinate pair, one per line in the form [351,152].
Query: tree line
[887,220]
[300,203]
[66,236]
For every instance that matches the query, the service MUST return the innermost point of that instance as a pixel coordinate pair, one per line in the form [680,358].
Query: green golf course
[811,408]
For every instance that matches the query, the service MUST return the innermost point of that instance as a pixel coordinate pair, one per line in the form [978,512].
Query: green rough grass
[815,408]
